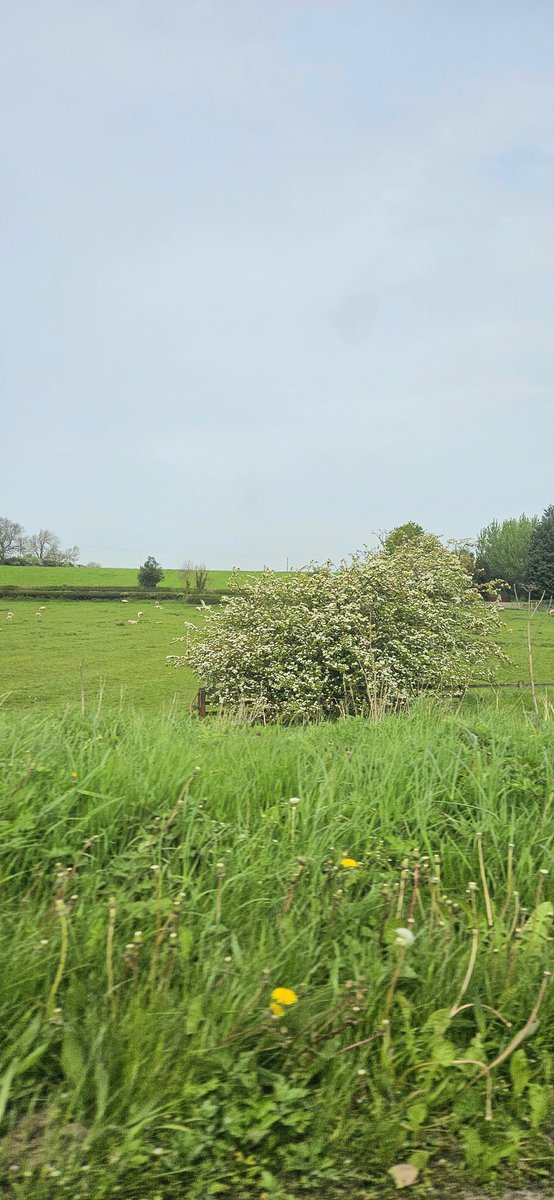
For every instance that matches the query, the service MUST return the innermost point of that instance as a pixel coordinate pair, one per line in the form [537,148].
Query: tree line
[520,551]
[36,549]
[515,555]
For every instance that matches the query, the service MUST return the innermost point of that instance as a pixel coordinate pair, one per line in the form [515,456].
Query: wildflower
[294,800]
[404,937]
[277,1010]
[349,862]
[74,776]
[284,995]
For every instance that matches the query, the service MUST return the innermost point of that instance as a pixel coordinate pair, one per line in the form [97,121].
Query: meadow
[123,577]
[43,660]
[266,962]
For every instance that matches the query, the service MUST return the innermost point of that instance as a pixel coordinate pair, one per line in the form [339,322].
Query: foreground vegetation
[159,885]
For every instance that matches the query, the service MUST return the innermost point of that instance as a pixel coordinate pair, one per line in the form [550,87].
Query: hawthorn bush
[359,639]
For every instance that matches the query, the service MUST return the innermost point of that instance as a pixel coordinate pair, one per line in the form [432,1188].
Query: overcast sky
[276,274]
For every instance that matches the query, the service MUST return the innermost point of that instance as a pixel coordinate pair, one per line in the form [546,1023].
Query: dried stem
[488,906]
[470,968]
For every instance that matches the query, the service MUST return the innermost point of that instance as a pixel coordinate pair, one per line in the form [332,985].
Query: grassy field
[40,658]
[123,577]
[158,886]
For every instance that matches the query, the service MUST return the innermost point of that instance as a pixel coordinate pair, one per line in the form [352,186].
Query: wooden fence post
[202,702]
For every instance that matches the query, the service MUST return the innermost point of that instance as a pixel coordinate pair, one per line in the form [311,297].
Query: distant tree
[402,534]
[541,554]
[200,577]
[150,573]
[187,574]
[11,537]
[93,564]
[502,549]
[44,545]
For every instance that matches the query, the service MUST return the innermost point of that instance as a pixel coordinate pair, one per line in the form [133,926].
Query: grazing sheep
[132,622]
[139,615]
[124,601]
[9,616]
[201,607]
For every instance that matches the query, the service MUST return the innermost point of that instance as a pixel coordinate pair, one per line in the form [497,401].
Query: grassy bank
[158,886]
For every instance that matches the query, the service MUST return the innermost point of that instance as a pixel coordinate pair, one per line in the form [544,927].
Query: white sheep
[201,607]
[9,616]
[139,615]
[132,622]
[39,615]
[124,601]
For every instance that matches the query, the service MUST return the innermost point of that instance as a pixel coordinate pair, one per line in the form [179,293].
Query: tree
[44,544]
[11,537]
[201,577]
[187,573]
[150,573]
[402,534]
[541,554]
[360,639]
[503,549]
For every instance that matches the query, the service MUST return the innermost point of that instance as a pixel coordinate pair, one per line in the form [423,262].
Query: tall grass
[159,885]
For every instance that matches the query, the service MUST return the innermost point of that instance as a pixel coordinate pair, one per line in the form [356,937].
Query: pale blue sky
[276,274]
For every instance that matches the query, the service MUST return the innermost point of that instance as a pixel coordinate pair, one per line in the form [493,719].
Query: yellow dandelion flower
[276,1009]
[73,774]
[349,862]
[282,995]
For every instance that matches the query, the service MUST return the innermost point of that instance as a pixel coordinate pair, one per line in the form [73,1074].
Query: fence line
[200,703]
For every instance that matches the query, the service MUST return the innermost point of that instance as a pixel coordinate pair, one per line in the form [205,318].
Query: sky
[277,275]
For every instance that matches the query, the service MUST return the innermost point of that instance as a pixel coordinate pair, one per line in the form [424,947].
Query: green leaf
[443,1052]
[417,1115]
[72,1060]
[185,941]
[538,1104]
[102,1081]
[5,1085]
[519,1072]
[194,1015]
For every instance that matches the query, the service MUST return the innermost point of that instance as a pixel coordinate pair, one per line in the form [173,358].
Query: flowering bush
[362,638]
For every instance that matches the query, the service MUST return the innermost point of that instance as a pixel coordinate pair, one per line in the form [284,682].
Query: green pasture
[42,658]
[158,885]
[123,577]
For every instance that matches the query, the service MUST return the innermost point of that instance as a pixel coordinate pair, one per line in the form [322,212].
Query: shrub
[201,577]
[150,573]
[365,637]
